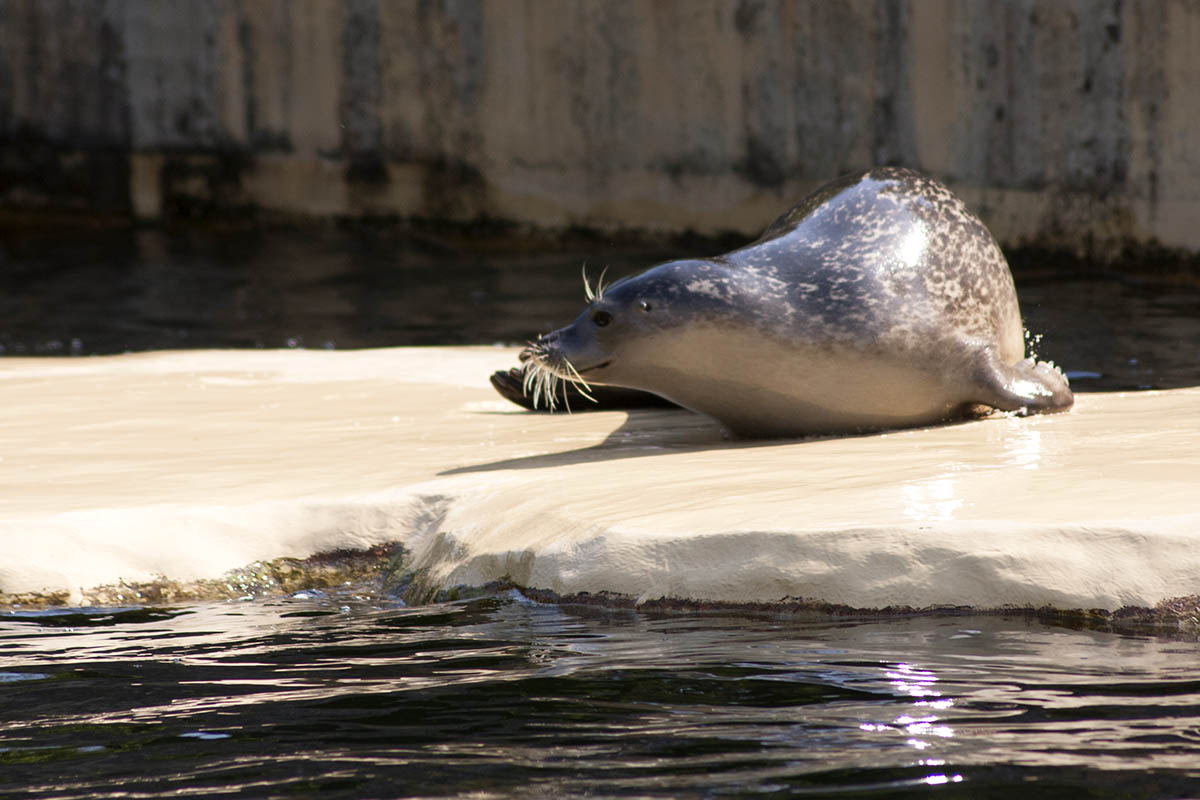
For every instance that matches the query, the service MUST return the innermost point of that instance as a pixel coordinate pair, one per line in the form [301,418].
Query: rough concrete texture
[186,465]
[1066,124]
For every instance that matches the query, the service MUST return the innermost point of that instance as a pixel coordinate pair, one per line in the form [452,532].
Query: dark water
[500,697]
[313,697]
[91,293]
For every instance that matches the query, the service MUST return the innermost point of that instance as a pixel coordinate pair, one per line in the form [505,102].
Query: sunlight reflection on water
[503,695]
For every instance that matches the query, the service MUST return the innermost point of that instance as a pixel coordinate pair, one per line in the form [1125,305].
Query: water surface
[109,292]
[356,696]
[337,697]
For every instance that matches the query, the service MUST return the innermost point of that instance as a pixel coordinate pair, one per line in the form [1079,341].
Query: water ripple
[500,697]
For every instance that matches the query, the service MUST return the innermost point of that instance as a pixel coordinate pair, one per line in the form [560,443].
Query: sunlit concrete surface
[188,464]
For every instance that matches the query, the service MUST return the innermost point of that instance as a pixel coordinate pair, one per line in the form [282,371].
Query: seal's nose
[539,346]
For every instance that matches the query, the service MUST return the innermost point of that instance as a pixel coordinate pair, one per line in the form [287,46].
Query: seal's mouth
[557,364]
[601,365]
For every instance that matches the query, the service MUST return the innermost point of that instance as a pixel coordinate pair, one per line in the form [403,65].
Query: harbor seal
[880,301]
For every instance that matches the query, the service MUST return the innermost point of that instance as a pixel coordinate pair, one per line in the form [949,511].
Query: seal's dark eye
[601,318]
[646,306]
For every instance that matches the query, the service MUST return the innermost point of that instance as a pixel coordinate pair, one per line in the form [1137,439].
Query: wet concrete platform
[184,465]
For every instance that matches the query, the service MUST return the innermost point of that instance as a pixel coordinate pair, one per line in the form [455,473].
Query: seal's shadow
[657,432]
[643,433]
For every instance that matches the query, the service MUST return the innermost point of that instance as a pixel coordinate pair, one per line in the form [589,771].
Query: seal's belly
[757,387]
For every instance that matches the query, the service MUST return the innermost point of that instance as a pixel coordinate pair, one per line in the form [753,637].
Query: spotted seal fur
[880,301]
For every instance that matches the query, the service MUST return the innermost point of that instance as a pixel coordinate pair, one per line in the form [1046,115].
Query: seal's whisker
[591,294]
[539,387]
[581,385]
[531,385]
[527,380]
[541,382]
[549,384]
[588,294]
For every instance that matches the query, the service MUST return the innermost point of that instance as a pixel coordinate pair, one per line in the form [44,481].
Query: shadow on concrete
[656,432]
[644,433]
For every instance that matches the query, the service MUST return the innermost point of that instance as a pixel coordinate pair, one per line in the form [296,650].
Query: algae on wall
[1063,123]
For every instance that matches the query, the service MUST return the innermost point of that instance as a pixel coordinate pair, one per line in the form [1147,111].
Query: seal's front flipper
[1027,387]
[510,385]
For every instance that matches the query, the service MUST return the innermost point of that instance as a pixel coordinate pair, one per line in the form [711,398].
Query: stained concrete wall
[1067,124]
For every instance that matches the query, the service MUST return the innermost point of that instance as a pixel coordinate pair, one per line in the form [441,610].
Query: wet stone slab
[180,467]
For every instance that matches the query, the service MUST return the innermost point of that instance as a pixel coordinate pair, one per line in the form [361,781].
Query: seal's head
[611,342]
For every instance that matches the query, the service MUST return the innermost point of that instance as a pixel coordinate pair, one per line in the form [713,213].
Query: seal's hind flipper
[510,385]
[1027,387]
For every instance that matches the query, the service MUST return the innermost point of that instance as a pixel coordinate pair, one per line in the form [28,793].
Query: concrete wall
[1068,124]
